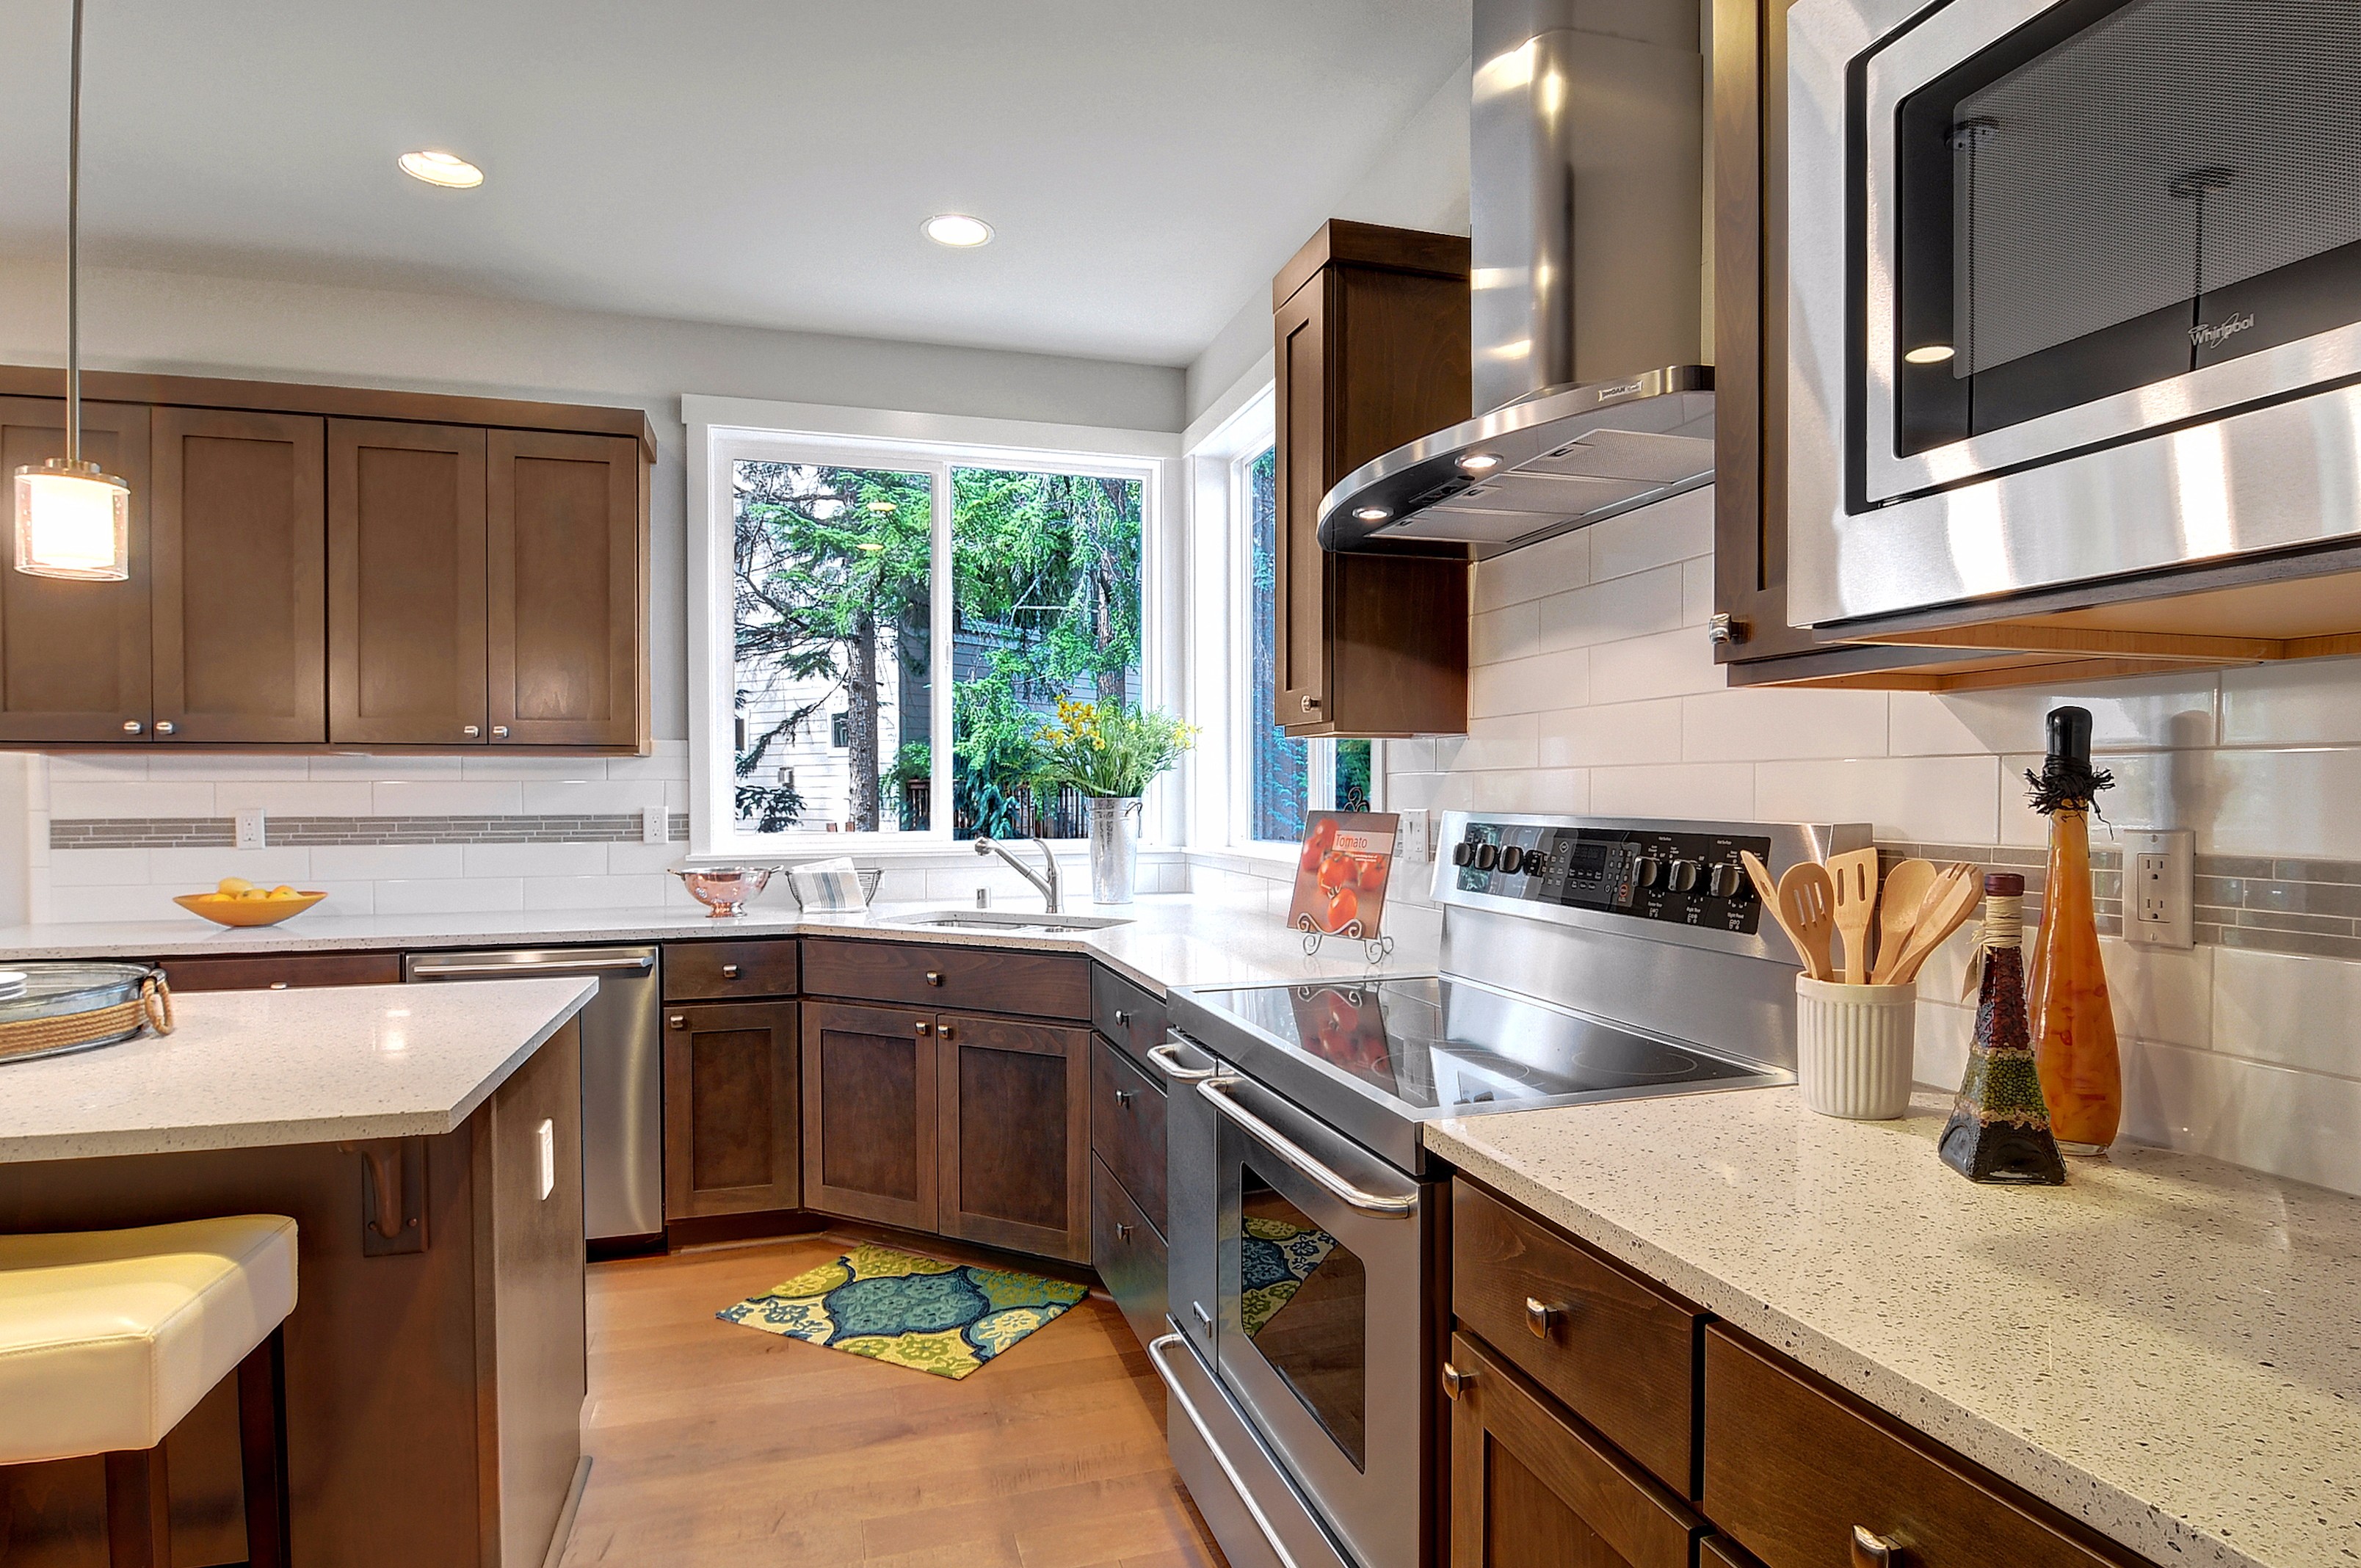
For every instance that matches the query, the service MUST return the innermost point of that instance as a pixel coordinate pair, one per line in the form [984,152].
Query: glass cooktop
[1437,1046]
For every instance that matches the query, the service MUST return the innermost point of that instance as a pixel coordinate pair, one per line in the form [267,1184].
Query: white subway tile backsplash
[299,799]
[2314,702]
[1624,733]
[594,892]
[1945,1031]
[1494,743]
[76,798]
[535,770]
[1681,790]
[346,898]
[373,770]
[1676,530]
[1762,724]
[149,902]
[2164,994]
[2172,710]
[1943,800]
[1550,566]
[1522,686]
[1611,611]
[196,871]
[449,895]
[408,798]
[535,860]
[372,862]
[586,799]
[665,759]
[1671,663]
[99,868]
[2301,1125]
[167,766]
[634,860]
[97,767]
[1512,631]
[2298,1011]
[1696,591]
[2298,802]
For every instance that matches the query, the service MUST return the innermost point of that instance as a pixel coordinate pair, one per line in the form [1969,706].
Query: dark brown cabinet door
[1371,350]
[1016,1135]
[282,971]
[733,1133]
[869,1114]
[73,656]
[239,528]
[1529,1489]
[406,617]
[566,589]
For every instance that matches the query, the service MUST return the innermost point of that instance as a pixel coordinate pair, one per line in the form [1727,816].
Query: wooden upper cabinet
[406,584]
[73,656]
[1371,334]
[239,530]
[567,589]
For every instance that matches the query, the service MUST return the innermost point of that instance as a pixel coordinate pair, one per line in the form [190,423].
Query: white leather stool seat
[108,1338]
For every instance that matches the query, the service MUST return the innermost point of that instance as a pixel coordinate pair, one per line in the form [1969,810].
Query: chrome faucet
[1047,886]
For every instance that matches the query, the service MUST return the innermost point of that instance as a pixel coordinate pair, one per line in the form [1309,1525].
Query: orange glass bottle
[2073,1021]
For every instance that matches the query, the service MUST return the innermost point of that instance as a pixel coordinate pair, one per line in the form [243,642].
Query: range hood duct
[1586,212]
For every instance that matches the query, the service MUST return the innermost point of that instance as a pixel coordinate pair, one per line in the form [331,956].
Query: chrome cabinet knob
[1539,1316]
[132,726]
[1455,1382]
[943,1031]
[470,731]
[934,977]
[1126,1096]
[678,1021]
[163,726]
[1870,1550]
[1122,1232]
[924,1027]
[730,971]
[1122,1019]
[499,732]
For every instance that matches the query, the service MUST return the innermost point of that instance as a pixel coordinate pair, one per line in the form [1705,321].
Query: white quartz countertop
[255,1068]
[1171,940]
[2167,1348]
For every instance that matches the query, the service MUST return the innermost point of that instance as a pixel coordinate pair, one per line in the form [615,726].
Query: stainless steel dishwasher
[622,1073]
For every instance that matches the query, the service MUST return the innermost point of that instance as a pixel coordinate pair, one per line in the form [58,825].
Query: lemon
[233,886]
[284,891]
[251,894]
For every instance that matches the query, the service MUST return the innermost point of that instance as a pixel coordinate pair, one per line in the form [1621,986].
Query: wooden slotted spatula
[1953,898]
[1853,877]
[1907,886]
[1768,891]
[1807,910]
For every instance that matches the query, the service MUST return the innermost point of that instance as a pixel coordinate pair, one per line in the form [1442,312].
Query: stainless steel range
[1583,960]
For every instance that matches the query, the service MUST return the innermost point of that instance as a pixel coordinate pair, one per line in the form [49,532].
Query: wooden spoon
[1907,886]
[1854,876]
[1953,898]
[1807,910]
[1768,891]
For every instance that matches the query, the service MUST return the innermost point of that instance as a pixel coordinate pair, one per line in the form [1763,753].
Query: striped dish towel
[826,885]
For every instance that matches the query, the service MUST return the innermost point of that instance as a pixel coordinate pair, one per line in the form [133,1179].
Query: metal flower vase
[1114,847]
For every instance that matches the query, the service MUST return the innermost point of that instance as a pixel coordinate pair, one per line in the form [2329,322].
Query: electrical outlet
[250,828]
[2159,887]
[654,828]
[1415,840]
[545,1138]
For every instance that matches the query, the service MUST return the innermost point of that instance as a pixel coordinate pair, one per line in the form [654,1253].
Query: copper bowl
[724,890]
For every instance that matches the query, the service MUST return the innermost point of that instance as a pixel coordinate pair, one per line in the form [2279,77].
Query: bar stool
[108,1338]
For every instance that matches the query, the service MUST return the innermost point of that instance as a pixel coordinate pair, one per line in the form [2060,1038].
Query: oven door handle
[1217,1091]
[1166,1057]
[1156,1351]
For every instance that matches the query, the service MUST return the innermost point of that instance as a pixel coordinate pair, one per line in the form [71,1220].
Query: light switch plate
[1415,847]
[653,829]
[250,828]
[2159,887]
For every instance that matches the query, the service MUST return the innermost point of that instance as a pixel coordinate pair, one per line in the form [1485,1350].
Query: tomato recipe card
[1340,880]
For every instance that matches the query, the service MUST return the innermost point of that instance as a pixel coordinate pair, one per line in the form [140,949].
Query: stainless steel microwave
[2074,293]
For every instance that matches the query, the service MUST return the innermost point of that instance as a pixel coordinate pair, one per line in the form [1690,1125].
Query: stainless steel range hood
[1588,216]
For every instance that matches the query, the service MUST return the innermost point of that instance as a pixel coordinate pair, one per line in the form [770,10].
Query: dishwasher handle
[637,963]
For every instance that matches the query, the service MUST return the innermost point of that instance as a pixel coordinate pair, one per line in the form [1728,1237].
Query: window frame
[725,430]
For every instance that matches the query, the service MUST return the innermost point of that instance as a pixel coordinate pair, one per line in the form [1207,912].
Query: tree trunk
[860,723]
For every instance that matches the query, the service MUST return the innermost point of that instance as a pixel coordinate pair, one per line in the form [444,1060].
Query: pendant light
[73,520]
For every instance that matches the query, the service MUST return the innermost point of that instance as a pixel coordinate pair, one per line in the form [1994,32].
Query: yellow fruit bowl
[228,910]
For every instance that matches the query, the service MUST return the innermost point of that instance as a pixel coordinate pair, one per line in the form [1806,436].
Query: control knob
[1463,854]
[1645,871]
[1683,876]
[1512,860]
[1487,857]
[1726,881]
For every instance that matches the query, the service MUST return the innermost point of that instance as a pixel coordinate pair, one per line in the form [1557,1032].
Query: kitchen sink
[1009,920]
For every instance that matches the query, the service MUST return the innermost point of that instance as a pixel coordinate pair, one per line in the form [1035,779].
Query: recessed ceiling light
[1933,354]
[1373,514]
[441,168]
[957,230]
[1481,462]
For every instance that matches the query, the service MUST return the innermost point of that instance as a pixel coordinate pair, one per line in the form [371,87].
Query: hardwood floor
[716,1445]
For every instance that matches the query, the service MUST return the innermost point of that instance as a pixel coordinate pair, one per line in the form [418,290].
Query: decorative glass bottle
[1999,1129]
[2074,1021]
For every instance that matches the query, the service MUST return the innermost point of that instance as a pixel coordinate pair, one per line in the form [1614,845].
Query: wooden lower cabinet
[282,971]
[1130,1257]
[870,1136]
[1529,1489]
[732,1131]
[1014,1101]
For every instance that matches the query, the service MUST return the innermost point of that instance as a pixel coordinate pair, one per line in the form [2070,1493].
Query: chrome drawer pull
[1126,1096]
[1166,1057]
[730,971]
[1157,1350]
[1455,1382]
[1336,1187]
[678,1021]
[1873,1551]
[1122,1232]
[934,977]
[1539,1316]
[527,971]
[942,1031]
[1122,1019]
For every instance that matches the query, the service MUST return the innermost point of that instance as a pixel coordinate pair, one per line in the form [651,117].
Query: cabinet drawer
[1039,985]
[696,971]
[1127,1128]
[280,972]
[1130,1015]
[1529,1487]
[1792,1468]
[1620,1353]
[1128,1254]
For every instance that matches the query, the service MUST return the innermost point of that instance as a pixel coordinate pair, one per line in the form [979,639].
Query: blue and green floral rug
[1274,1260]
[941,1318]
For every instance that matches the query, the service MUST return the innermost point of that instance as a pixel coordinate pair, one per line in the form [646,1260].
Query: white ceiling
[1147,163]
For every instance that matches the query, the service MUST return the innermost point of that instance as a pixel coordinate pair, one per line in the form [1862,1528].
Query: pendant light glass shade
[72,521]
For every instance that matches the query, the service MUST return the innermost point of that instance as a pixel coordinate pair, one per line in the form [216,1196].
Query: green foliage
[914,762]
[1049,563]
[1111,749]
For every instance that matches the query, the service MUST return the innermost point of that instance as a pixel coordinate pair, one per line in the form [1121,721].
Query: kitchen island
[427,1143]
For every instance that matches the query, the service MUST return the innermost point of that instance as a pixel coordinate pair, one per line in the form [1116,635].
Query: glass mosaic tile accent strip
[299,832]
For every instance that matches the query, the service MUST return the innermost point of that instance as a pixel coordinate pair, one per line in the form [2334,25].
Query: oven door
[1321,1334]
[2075,290]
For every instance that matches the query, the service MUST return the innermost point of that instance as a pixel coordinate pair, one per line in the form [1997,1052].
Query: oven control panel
[1675,875]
